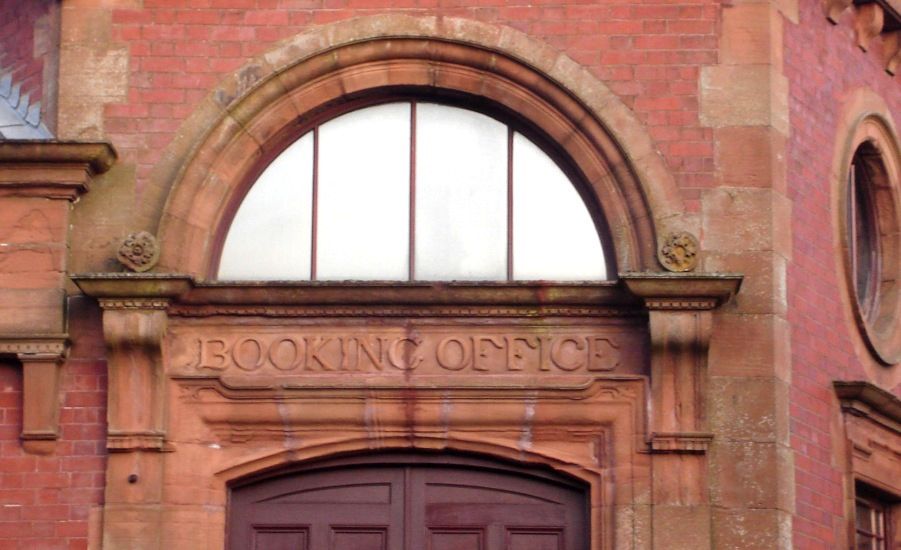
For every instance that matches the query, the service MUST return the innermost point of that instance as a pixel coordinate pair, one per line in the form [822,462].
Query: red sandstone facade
[733,399]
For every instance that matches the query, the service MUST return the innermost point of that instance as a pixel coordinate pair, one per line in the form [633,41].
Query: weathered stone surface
[741,219]
[744,95]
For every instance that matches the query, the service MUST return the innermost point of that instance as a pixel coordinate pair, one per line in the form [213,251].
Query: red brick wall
[45,501]
[823,65]
[648,52]
[17,44]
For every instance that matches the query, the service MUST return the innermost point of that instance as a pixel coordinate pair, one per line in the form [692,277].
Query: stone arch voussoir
[250,115]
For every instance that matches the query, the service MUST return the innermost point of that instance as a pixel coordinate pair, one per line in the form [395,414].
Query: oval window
[412,191]
[871,240]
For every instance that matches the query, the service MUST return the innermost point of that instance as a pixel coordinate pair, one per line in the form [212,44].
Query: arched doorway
[211,380]
[409,501]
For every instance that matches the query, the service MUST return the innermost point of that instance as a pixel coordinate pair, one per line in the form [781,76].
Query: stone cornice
[133,290]
[99,156]
[50,168]
[192,298]
[656,291]
[867,400]
[34,345]
[683,291]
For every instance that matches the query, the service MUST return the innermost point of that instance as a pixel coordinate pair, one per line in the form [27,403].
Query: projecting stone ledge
[51,168]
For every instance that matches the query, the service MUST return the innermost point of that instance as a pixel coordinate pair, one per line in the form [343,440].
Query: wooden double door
[409,503]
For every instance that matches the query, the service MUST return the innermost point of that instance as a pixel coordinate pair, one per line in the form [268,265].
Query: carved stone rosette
[139,252]
[679,252]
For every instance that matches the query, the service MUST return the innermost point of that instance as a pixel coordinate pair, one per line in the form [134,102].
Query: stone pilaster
[134,324]
[681,313]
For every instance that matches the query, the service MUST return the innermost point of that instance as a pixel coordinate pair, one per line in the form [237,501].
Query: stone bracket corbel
[41,357]
[134,325]
[892,47]
[868,24]
[680,308]
[833,9]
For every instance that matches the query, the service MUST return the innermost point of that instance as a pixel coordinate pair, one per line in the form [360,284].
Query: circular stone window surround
[879,321]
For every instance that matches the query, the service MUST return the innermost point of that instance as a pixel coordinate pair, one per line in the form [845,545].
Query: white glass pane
[364,195]
[461,195]
[553,233]
[269,238]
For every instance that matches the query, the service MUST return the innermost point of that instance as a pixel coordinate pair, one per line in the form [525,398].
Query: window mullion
[315,214]
[412,239]
[852,225]
[509,203]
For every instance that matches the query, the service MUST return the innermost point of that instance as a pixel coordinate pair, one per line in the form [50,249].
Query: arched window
[412,191]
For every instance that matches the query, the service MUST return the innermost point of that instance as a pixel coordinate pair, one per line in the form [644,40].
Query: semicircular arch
[258,109]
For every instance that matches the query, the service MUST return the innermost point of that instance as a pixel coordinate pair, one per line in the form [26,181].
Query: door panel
[359,539]
[342,509]
[440,539]
[408,506]
[280,539]
[527,539]
[532,513]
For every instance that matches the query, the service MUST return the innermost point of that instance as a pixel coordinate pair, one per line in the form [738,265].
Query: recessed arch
[423,498]
[259,109]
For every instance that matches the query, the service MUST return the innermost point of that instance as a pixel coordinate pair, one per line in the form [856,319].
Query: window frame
[871,425]
[884,507]
[877,313]
[515,123]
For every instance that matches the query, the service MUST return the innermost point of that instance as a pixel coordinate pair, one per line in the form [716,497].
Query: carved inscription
[395,351]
